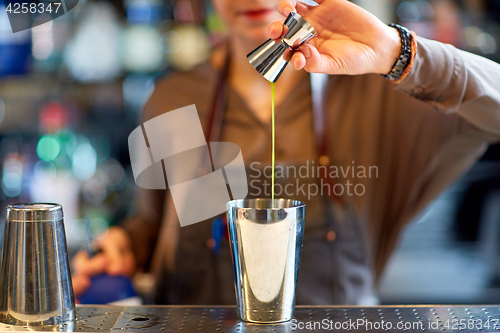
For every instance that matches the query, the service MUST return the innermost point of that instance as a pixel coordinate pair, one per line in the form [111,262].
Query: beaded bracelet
[403,64]
[408,67]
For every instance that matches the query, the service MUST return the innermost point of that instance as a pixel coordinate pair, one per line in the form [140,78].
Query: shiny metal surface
[266,245]
[225,319]
[271,58]
[30,212]
[35,278]
[298,30]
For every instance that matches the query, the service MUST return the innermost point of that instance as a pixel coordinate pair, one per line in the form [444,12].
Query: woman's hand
[350,40]
[115,258]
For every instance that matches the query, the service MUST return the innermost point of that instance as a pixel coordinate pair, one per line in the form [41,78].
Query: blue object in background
[217,233]
[106,288]
[14,58]
[15,48]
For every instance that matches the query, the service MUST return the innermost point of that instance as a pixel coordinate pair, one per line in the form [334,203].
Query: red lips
[257,14]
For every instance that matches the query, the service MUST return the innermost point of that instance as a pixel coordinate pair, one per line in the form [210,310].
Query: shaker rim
[240,204]
[34,212]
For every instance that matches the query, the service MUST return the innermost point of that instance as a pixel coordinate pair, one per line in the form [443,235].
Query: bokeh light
[48,147]
[113,172]
[84,160]
[94,191]
[68,141]
[44,171]
[12,177]
[99,227]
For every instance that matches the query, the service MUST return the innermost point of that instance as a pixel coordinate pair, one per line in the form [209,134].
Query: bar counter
[451,318]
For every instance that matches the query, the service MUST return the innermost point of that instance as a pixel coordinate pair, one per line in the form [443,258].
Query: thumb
[286,6]
[275,29]
[314,63]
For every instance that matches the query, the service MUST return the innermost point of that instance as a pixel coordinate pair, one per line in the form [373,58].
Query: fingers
[116,257]
[314,62]
[275,29]
[298,60]
[116,247]
[286,6]
[83,265]
[115,260]
[301,8]
[120,261]
[313,58]
[309,58]
[80,284]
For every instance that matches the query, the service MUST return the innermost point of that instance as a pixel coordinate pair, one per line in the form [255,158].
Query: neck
[240,67]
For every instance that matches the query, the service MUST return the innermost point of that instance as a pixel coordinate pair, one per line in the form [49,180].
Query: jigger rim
[34,212]
[240,204]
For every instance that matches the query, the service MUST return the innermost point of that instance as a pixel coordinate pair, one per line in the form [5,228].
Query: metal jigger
[35,277]
[271,58]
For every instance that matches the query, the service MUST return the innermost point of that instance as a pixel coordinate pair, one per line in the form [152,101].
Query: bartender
[416,112]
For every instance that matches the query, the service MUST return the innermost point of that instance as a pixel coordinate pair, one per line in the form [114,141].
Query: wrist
[392,50]
[402,67]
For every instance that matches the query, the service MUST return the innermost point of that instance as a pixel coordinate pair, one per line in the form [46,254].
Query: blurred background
[71,91]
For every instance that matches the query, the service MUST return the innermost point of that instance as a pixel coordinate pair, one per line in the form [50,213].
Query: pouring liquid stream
[273,139]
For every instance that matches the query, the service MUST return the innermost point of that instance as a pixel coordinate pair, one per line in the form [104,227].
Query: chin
[253,35]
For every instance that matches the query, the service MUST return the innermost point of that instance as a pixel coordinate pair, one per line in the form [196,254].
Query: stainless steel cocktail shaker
[266,243]
[271,58]
[35,277]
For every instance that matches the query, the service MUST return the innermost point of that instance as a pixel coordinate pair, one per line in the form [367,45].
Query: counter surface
[306,319]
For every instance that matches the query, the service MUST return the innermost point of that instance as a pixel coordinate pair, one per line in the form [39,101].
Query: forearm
[456,81]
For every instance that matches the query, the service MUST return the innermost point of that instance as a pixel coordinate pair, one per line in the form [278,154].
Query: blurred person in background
[421,129]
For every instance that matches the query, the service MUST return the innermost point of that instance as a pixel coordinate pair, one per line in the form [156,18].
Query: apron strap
[219,102]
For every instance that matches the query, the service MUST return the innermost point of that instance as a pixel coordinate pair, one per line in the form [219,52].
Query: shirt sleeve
[424,151]
[455,81]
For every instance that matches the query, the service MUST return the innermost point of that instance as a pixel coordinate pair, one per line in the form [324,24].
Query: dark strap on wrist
[404,56]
